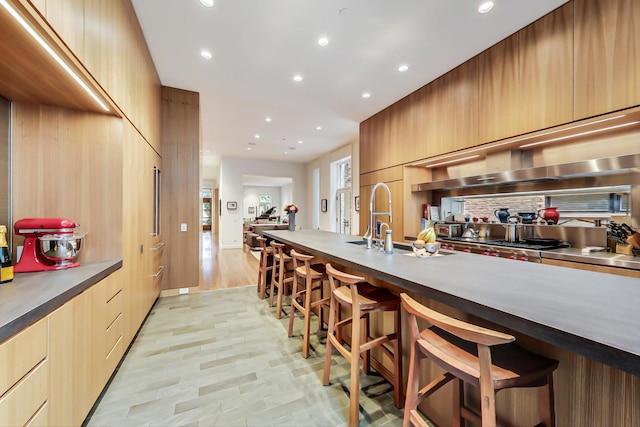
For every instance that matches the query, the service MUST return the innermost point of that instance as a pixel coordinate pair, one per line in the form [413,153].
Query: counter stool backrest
[464,351]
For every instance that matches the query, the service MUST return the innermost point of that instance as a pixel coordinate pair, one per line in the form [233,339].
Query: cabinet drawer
[112,286]
[22,402]
[41,418]
[19,354]
[113,334]
[114,356]
[113,310]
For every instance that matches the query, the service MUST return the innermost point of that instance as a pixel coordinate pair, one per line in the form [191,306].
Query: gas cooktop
[533,244]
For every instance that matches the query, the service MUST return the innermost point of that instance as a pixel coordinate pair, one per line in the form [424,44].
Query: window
[264,203]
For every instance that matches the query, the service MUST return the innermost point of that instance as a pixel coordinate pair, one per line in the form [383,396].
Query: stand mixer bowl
[61,248]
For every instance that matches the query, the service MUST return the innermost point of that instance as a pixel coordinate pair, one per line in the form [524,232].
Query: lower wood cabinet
[24,379]
[86,344]
[591,267]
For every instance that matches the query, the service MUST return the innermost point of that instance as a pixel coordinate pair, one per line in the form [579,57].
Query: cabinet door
[454,110]
[546,71]
[499,89]
[607,56]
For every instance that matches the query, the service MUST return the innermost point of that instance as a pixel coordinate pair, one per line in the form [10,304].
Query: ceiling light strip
[51,52]
[514,141]
[560,138]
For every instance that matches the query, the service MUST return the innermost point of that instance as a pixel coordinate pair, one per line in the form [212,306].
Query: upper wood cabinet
[499,90]
[546,71]
[606,55]
[453,110]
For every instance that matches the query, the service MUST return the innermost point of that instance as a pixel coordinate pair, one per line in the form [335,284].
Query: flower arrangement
[291,208]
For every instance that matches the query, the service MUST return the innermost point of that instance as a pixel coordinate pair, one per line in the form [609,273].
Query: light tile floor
[221,358]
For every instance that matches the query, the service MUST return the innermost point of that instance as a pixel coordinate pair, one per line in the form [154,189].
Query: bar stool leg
[546,404]
[292,311]
[275,278]
[397,361]
[354,360]
[307,318]
[366,357]
[333,307]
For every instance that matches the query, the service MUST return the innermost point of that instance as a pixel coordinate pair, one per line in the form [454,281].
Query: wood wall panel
[69,164]
[67,19]
[181,186]
[607,56]
[499,88]
[546,71]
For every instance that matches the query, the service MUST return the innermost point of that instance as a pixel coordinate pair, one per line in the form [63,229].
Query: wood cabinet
[25,376]
[499,90]
[606,56]
[546,71]
[592,267]
[86,343]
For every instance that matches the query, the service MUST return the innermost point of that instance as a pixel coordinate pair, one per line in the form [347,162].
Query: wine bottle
[6,267]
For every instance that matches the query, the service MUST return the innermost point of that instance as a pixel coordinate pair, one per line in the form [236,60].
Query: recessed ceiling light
[366,95]
[206,54]
[286,152]
[257,136]
[485,7]
[207,3]
[297,78]
[403,68]
[318,127]
[323,41]
[268,119]
[248,148]
[300,142]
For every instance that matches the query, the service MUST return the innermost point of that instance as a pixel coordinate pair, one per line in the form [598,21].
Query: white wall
[252,198]
[328,219]
[231,189]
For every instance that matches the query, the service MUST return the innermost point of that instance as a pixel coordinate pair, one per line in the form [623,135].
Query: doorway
[206,214]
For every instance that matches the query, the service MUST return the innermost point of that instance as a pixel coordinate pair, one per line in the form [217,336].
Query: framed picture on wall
[252,210]
[323,205]
[232,206]
[357,203]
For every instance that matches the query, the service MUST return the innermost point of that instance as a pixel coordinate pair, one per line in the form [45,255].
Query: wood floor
[223,269]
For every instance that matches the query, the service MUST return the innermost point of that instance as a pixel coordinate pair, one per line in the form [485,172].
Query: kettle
[502,214]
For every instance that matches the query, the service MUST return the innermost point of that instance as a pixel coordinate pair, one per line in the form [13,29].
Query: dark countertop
[589,313]
[32,296]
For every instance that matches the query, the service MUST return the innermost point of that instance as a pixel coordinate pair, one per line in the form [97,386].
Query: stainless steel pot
[512,228]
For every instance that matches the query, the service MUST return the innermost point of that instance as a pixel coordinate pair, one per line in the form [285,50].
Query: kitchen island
[575,312]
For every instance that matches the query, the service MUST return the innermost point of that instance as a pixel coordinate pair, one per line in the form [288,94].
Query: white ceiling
[258,45]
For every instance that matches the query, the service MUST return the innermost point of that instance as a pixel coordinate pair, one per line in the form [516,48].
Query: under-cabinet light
[51,52]
[513,141]
[560,138]
[462,159]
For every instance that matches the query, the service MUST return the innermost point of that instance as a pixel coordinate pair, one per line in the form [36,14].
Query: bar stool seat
[265,269]
[487,359]
[301,300]
[361,298]
[283,275]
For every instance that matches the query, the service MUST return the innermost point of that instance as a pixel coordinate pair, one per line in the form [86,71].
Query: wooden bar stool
[468,355]
[312,279]
[281,266]
[362,298]
[265,269]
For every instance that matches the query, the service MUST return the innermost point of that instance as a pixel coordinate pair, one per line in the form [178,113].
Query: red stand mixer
[49,244]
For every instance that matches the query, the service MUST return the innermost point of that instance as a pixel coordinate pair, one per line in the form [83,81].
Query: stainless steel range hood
[588,168]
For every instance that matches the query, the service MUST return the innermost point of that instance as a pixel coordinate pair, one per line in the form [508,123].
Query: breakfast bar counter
[588,313]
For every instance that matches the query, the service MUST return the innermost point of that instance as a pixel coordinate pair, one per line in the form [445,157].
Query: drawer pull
[158,246]
[159,272]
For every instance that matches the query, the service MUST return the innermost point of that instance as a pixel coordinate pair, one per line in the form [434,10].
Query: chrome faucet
[371,232]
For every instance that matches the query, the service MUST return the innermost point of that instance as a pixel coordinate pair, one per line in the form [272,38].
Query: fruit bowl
[61,248]
[422,249]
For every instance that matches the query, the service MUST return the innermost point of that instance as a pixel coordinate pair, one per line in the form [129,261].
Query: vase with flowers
[291,211]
